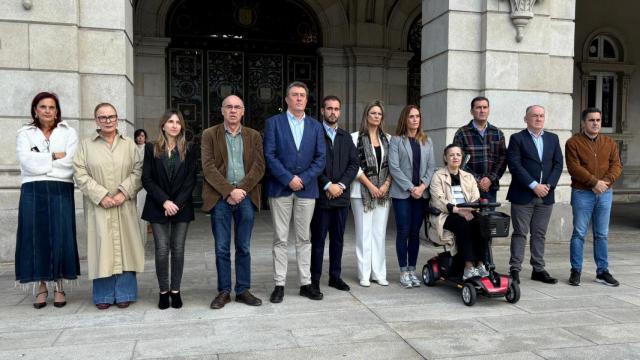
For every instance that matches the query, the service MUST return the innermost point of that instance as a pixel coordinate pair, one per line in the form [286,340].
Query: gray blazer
[401,166]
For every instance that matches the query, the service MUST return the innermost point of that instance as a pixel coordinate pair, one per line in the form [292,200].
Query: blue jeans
[242,215]
[595,208]
[116,288]
[409,215]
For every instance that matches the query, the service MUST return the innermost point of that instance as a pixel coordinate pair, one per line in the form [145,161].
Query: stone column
[150,82]
[470,48]
[105,61]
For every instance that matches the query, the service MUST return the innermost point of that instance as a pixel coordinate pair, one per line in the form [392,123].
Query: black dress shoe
[515,276]
[163,301]
[339,284]
[176,300]
[248,298]
[543,276]
[310,292]
[221,300]
[277,294]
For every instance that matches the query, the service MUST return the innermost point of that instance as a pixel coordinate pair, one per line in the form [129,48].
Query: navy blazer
[155,180]
[342,165]
[525,166]
[283,160]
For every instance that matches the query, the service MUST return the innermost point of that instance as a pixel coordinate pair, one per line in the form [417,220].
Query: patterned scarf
[369,166]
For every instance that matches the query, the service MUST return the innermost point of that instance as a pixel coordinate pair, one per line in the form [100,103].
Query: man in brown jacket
[232,166]
[594,164]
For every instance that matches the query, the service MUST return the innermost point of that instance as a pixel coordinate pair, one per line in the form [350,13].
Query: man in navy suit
[294,152]
[535,161]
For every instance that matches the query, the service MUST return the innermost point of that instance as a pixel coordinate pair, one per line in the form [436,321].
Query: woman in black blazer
[169,176]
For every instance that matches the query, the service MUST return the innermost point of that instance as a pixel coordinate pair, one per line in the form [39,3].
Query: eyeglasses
[233,107]
[110,118]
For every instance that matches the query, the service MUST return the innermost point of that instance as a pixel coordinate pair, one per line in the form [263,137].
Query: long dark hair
[34,104]
[160,146]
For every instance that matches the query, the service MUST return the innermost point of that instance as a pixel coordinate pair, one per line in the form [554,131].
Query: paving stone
[620,315]
[218,343]
[610,334]
[369,351]
[450,311]
[436,328]
[26,340]
[619,351]
[483,343]
[507,356]
[543,321]
[314,336]
[575,303]
[111,351]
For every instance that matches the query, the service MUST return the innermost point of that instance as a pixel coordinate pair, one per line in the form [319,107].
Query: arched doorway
[244,47]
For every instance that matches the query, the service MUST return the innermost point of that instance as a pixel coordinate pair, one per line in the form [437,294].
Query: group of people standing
[315,171]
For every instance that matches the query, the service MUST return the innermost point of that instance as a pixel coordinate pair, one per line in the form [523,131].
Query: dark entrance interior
[248,48]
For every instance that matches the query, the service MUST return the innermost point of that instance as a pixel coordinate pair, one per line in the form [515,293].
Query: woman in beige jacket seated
[449,187]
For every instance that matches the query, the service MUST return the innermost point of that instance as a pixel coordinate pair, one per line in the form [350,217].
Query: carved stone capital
[521,14]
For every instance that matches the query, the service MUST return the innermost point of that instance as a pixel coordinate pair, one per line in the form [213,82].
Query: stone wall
[82,51]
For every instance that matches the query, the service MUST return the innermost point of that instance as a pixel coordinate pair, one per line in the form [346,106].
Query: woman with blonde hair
[169,176]
[107,171]
[370,195]
[411,164]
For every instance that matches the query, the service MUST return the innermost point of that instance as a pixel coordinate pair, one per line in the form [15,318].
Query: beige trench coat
[441,195]
[114,242]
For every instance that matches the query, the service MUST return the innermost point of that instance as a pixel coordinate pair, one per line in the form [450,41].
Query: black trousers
[472,246]
[333,222]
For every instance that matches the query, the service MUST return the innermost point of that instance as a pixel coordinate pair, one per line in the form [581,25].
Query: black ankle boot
[176,301]
[163,303]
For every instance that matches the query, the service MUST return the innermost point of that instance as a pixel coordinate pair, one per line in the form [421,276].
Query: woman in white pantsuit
[370,196]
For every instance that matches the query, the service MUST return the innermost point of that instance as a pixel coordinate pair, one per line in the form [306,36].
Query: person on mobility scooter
[453,213]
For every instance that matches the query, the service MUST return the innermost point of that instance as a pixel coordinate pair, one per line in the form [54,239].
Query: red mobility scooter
[450,268]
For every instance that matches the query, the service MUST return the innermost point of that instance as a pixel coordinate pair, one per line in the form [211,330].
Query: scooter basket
[499,224]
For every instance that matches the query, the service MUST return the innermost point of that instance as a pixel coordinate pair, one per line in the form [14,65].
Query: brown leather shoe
[221,300]
[248,298]
[103,306]
[124,304]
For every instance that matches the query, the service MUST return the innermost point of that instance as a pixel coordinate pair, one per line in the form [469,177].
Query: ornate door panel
[225,77]
[305,69]
[265,88]
[185,91]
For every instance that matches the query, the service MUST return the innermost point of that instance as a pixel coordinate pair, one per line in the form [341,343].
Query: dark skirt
[46,248]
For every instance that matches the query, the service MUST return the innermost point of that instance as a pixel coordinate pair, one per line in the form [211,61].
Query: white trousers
[281,210]
[371,232]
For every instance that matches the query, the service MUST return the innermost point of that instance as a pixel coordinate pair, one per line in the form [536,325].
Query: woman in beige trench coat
[107,171]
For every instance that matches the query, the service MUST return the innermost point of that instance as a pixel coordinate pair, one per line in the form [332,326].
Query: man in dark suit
[294,152]
[332,206]
[232,167]
[535,161]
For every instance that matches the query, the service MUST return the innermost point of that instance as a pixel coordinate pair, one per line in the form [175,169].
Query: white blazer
[38,165]
[355,185]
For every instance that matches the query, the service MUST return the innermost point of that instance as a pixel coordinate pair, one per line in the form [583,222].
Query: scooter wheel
[469,294]
[427,275]
[513,293]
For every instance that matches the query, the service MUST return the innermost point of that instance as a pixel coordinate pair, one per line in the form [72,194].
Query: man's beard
[328,121]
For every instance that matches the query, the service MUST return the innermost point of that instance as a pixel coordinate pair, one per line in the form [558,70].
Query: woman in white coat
[370,195]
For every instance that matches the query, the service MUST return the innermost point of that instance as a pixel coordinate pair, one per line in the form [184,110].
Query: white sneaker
[415,282]
[382,282]
[482,271]
[365,283]
[405,280]
[469,273]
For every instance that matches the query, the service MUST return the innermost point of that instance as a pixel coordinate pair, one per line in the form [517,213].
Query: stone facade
[91,51]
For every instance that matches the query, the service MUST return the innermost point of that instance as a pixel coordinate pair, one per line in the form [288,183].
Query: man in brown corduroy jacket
[594,164]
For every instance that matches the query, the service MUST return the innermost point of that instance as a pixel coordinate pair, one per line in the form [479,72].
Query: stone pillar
[470,48]
[150,82]
[369,74]
[105,61]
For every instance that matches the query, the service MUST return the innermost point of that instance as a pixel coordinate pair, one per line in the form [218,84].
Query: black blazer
[160,189]
[525,166]
[341,166]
